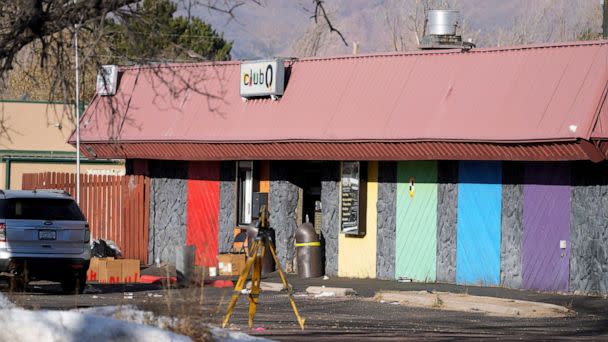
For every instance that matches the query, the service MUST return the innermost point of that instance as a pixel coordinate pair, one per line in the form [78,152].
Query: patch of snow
[223,335]
[103,323]
[75,325]
[325,294]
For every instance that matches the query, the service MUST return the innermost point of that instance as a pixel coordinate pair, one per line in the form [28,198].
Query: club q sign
[262,78]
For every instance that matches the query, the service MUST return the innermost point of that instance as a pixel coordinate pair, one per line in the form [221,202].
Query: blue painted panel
[479,213]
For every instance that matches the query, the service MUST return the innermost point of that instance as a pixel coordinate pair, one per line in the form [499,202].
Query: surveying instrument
[254,265]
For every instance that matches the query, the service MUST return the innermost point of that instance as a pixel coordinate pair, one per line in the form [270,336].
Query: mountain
[274,28]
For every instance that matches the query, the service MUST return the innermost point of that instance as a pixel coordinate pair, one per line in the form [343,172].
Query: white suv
[43,236]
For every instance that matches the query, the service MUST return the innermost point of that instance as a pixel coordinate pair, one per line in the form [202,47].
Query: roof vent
[442,31]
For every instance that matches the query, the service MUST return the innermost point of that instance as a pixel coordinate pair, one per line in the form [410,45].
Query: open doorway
[308,179]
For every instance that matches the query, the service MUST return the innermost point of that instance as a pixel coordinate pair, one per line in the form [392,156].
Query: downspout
[7,173]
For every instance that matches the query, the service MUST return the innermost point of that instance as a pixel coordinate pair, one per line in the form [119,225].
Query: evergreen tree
[154,33]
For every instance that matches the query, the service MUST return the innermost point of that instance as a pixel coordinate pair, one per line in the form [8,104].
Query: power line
[178,35]
[151,60]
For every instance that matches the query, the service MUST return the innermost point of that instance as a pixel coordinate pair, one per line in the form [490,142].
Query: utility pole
[76,27]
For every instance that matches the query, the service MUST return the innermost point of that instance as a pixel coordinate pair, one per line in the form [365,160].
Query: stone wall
[447,210]
[283,205]
[387,197]
[168,203]
[228,206]
[512,225]
[589,228]
[330,205]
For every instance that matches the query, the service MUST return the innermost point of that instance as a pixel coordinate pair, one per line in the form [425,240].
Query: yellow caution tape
[309,244]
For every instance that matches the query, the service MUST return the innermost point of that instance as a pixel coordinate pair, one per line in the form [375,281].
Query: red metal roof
[570,150]
[507,98]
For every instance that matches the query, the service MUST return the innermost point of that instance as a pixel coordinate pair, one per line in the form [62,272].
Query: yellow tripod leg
[255,287]
[289,294]
[239,286]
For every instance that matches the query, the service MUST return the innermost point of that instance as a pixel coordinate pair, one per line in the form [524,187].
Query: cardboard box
[93,270]
[94,266]
[110,271]
[231,264]
[130,271]
[113,271]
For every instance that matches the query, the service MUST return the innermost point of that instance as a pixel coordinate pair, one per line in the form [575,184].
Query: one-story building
[33,140]
[481,167]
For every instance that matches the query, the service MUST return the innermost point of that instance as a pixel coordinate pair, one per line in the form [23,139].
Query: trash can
[184,265]
[309,252]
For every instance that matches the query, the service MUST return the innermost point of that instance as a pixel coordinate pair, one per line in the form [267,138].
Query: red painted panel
[203,210]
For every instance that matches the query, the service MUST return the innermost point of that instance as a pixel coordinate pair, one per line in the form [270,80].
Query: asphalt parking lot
[331,319]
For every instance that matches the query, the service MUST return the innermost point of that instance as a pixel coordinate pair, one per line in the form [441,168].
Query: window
[245,191]
[353,197]
[40,209]
[253,185]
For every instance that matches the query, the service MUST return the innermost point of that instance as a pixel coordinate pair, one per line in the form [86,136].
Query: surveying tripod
[254,262]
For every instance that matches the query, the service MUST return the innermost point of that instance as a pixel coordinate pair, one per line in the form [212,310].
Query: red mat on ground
[150,279]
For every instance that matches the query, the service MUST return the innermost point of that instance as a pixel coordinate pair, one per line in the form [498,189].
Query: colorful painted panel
[203,210]
[546,235]
[357,255]
[478,228]
[416,246]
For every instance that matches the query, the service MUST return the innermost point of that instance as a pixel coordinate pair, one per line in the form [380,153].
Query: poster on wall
[352,196]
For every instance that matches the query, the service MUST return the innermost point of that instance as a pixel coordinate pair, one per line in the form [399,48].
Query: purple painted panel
[546,222]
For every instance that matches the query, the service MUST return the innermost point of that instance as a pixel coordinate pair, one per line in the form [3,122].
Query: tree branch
[25,21]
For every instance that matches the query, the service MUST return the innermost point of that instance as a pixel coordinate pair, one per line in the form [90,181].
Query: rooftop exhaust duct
[441,31]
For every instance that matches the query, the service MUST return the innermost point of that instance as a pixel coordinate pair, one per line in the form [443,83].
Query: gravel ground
[332,319]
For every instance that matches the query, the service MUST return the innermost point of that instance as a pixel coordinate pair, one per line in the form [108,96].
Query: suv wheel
[74,284]
[16,284]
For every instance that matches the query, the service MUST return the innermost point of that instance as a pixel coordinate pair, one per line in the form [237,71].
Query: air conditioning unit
[107,80]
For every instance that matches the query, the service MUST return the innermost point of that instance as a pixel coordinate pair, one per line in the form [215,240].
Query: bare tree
[36,37]
[24,21]
[544,21]
[405,21]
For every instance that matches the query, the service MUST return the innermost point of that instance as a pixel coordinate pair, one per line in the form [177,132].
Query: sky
[273,29]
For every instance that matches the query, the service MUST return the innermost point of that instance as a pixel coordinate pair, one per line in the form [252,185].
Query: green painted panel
[416,246]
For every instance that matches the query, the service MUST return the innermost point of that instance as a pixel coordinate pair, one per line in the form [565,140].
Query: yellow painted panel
[356,255]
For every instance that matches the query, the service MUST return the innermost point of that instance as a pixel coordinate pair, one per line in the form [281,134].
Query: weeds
[438,303]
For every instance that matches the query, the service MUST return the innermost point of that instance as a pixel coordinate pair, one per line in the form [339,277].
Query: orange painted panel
[265,176]
[203,210]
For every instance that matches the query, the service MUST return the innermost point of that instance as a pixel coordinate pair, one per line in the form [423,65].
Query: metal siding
[416,248]
[478,231]
[546,221]
[341,151]
[203,211]
[501,94]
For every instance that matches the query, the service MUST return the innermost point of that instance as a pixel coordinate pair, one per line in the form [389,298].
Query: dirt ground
[335,319]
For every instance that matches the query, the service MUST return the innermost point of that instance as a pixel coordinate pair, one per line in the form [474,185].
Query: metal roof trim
[550,151]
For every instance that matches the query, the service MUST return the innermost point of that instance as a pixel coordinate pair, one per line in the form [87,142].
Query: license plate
[47,235]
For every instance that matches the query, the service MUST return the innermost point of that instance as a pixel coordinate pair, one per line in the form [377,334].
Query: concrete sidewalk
[369,287]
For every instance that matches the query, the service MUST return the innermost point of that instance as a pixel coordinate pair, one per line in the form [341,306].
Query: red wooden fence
[117,207]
